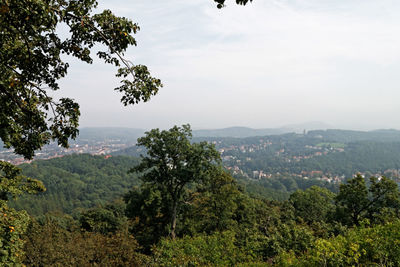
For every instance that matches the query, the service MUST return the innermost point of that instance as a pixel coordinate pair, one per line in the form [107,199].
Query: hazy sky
[270,63]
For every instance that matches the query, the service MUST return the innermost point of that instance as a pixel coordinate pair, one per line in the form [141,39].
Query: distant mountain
[240,132]
[308,126]
[243,135]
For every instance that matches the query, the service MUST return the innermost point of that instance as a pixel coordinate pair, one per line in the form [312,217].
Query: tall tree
[173,162]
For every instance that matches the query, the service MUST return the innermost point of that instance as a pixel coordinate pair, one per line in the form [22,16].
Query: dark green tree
[173,162]
[313,204]
[212,206]
[356,201]
[148,209]
[105,220]
[384,200]
[352,201]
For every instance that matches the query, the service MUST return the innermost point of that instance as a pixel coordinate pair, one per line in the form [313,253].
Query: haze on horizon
[265,65]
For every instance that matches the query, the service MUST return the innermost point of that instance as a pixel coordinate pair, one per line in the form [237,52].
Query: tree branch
[126,62]
[38,88]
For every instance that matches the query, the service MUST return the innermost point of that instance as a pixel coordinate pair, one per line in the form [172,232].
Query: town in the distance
[257,154]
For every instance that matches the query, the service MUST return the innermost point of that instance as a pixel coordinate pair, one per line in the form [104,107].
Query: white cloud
[266,64]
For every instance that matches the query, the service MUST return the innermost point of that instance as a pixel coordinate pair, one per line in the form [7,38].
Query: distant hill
[239,132]
[243,136]
[345,136]
[130,135]
[308,126]
[242,132]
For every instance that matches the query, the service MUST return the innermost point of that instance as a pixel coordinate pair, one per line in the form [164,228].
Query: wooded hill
[84,181]
[77,182]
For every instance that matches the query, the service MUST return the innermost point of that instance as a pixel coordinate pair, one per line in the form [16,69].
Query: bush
[217,249]
[377,245]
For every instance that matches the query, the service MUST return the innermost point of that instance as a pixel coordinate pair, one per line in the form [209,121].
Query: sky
[265,65]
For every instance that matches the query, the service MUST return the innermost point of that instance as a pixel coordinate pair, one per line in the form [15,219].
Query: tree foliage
[356,201]
[217,249]
[148,207]
[76,182]
[213,206]
[313,205]
[105,220]
[31,65]
[362,246]
[239,2]
[210,206]
[13,224]
[173,162]
[13,183]
[50,244]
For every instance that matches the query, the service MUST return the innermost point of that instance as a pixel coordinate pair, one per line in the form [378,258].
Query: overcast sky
[268,64]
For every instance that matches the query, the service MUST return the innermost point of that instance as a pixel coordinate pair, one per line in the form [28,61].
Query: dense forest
[219,224]
[77,182]
[84,181]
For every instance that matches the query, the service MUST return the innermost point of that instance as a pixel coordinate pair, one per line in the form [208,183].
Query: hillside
[83,181]
[77,181]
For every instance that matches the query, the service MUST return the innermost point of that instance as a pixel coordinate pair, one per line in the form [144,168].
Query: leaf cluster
[239,2]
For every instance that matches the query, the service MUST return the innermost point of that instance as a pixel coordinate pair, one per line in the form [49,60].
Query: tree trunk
[173,219]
